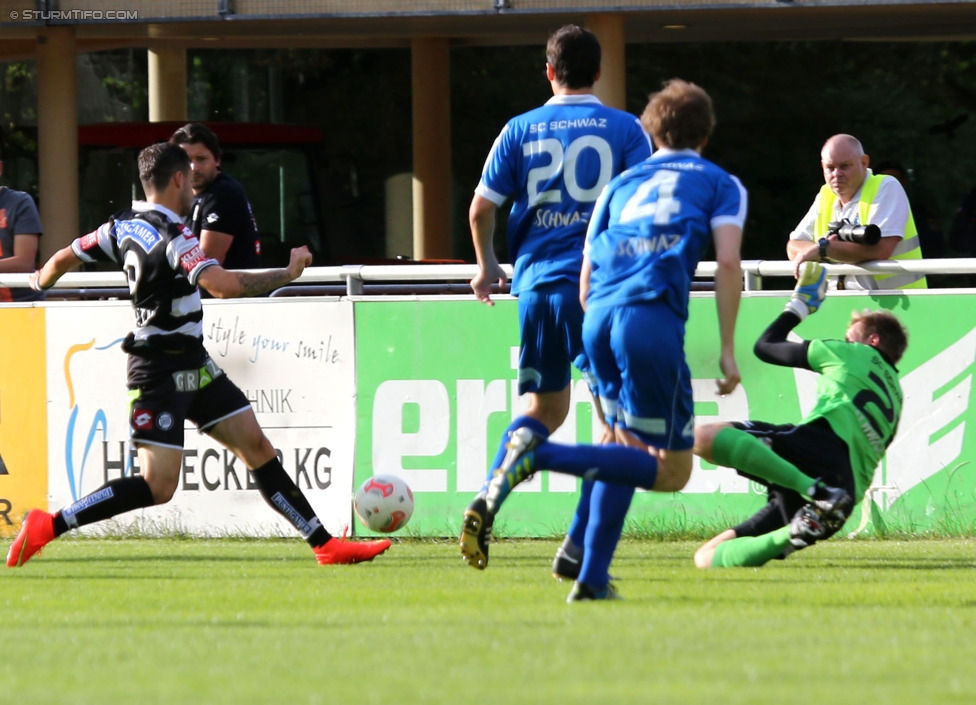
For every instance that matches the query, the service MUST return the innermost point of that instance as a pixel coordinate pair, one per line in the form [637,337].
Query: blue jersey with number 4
[553,162]
[652,225]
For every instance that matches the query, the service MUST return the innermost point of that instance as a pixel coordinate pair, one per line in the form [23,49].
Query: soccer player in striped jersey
[171,378]
[552,162]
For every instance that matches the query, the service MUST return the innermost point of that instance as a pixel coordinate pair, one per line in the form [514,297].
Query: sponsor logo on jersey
[143,315]
[191,259]
[545,218]
[637,246]
[142,419]
[138,231]
[678,166]
[212,218]
[3,217]
[89,241]
[577,123]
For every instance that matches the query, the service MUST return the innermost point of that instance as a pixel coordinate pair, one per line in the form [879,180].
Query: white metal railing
[354,276]
[755,270]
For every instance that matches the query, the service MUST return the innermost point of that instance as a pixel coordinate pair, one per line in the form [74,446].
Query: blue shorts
[637,354]
[551,323]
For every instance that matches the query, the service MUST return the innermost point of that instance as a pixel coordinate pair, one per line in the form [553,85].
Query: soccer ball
[384,503]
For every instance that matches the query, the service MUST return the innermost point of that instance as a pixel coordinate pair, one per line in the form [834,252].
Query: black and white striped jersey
[162,260]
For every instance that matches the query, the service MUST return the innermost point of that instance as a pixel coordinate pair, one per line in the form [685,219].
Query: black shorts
[161,399]
[813,448]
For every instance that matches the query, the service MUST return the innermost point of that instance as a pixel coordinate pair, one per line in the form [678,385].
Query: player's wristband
[34,282]
[798,308]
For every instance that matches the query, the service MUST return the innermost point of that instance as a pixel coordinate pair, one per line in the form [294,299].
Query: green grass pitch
[227,621]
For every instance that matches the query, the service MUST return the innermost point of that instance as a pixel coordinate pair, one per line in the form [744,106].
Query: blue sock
[608,509]
[577,528]
[610,463]
[537,427]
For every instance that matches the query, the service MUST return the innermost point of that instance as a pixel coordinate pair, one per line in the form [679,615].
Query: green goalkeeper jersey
[858,394]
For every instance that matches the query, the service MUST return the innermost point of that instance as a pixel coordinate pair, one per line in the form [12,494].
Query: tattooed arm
[225,284]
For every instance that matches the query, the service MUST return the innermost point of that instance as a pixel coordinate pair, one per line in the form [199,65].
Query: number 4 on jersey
[654,198]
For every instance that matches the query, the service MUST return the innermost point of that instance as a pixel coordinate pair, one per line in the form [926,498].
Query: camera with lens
[848,232]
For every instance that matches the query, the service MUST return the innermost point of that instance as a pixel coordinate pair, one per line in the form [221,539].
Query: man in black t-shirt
[222,217]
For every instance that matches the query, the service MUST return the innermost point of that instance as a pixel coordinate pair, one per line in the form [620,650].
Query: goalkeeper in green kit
[840,442]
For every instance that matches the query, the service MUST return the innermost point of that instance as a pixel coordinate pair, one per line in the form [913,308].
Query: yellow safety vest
[908,248]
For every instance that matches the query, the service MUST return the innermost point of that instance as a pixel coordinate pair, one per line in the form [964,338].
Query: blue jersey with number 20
[652,224]
[553,162]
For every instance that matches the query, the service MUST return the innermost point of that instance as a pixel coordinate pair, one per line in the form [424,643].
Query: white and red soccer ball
[384,503]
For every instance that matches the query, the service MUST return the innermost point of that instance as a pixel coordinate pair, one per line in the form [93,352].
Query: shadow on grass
[177,558]
[906,564]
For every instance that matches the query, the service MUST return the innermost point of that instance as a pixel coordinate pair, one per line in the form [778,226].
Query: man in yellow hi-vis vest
[854,193]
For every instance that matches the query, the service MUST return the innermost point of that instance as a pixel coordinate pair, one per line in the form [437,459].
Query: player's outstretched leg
[476,533]
[518,466]
[339,551]
[480,514]
[285,497]
[36,532]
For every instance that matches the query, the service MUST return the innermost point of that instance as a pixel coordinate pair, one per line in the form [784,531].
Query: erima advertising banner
[23,429]
[437,387]
[295,362]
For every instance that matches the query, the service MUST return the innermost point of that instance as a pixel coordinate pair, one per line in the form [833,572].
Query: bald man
[852,192]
